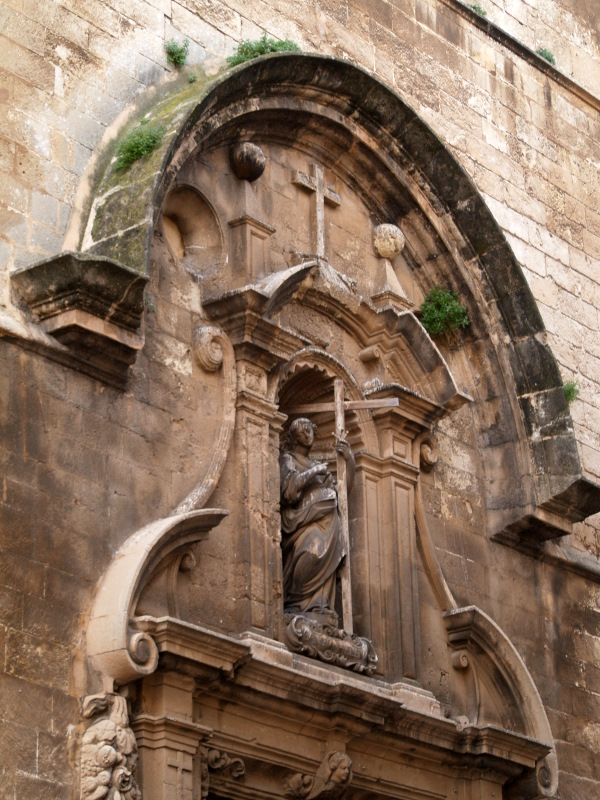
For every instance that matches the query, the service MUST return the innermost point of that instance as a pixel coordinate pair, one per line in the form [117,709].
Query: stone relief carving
[333,775]
[212,760]
[108,751]
[330,644]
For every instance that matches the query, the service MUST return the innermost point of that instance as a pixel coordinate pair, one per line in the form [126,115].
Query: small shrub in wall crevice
[177,53]
[571,391]
[442,311]
[247,50]
[477,9]
[140,142]
[547,54]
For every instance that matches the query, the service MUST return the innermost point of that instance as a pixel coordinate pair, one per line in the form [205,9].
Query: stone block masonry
[528,137]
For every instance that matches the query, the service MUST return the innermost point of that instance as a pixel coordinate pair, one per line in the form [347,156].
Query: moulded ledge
[91,304]
[555,517]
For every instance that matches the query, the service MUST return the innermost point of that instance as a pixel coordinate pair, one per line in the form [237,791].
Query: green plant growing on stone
[247,50]
[442,311]
[177,53]
[571,391]
[192,78]
[547,54]
[477,9]
[140,142]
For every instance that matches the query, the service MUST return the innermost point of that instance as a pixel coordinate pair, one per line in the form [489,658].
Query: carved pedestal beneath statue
[306,635]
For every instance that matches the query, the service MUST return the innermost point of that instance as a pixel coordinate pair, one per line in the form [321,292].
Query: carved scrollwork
[212,760]
[333,775]
[330,644]
[460,659]
[143,650]
[208,347]
[108,751]
[429,453]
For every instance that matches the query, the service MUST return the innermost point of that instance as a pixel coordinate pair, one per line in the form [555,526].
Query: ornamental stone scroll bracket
[114,647]
[212,760]
[469,629]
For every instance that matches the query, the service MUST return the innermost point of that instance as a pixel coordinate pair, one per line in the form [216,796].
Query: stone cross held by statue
[322,194]
[339,406]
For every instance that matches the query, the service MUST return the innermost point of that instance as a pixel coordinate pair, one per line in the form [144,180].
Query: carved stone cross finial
[315,183]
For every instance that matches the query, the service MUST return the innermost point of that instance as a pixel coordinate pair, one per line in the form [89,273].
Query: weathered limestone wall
[531,144]
[568,28]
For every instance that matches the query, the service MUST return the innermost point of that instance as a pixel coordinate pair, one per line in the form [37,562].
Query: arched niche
[192,229]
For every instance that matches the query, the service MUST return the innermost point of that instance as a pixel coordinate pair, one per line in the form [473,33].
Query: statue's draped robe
[312,540]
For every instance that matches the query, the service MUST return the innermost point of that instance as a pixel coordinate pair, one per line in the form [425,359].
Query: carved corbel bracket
[212,760]
[91,304]
[115,648]
[332,777]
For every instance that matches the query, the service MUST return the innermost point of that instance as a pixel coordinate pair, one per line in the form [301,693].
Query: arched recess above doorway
[358,128]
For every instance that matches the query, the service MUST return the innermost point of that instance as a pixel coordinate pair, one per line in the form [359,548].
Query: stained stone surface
[198,413]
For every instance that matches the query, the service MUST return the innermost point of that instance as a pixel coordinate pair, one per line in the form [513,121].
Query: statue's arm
[294,482]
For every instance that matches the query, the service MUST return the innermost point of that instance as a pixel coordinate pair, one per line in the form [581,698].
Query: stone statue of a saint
[312,541]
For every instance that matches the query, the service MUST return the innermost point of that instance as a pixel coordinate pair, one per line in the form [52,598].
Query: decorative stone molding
[214,351]
[333,776]
[470,628]
[115,647]
[330,644]
[91,304]
[428,452]
[212,760]
[208,347]
[108,751]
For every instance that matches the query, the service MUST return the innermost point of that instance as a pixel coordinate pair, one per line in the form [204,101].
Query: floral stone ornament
[108,751]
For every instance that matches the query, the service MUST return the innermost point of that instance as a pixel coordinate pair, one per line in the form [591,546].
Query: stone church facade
[399,597]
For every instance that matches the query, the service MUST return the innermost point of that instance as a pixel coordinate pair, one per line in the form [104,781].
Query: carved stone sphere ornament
[388,241]
[247,161]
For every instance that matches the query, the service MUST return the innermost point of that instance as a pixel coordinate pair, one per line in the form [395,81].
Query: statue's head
[302,431]
[340,765]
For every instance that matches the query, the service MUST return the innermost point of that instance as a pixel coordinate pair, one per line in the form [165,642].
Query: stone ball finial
[247,161]
[388,240]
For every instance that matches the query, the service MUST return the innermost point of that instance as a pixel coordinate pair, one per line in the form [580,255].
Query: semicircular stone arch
[374,147]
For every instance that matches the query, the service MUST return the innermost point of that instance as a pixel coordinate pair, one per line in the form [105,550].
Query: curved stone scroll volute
[114,647]
[471,628]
